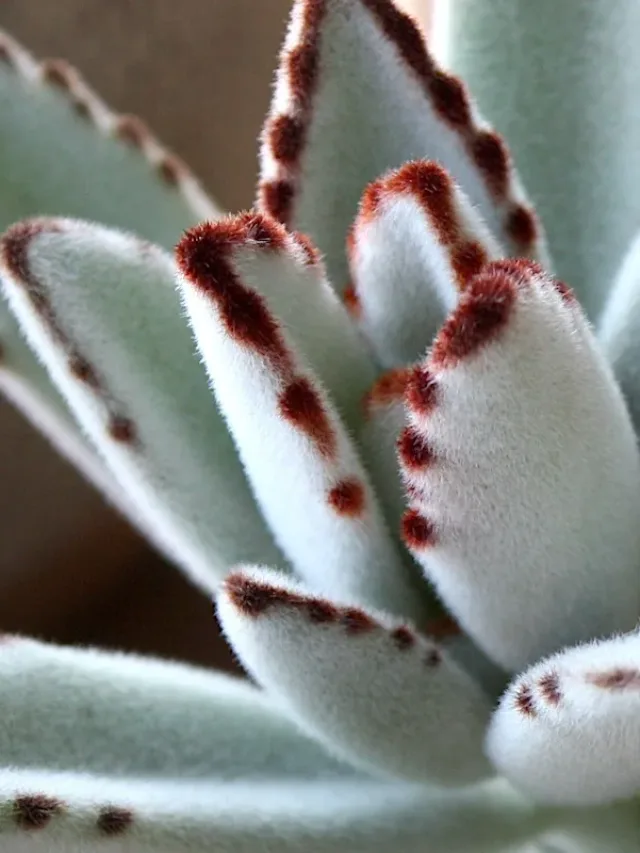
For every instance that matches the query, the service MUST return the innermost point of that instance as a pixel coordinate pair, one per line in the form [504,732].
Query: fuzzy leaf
[82,710]
[63,152]
[358,94]
[415,245]
[568,730]
[619,330]
[240,278]
[74,813]
[368,687]
[523,471]
[100,308]
[560,81]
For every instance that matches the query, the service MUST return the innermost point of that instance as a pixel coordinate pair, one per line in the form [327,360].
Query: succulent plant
[371,420]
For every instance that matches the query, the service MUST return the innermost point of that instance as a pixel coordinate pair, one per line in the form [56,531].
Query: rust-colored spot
[313,13]
[481,315]
[286,136]
[521,269]
[170,169]
[312,254]
[253,598]
[549,686]
[565,292]
[418,532]
[414,451]
[370,202]
[348,498]
[132,130]
[356,621]
[302,65]
[300,405]
[522,226]
[320,611]
[352,301]
[203,256]
[114,820]
[84,371]
[122,429]
[467,260]
[421,393]
[492,158]
[34,811]
[621,678]
[403,637]
[402,31]
[433,657]
[524,701]
[58,73]
[276,198]
[388,390]
[450,99]
[443,628]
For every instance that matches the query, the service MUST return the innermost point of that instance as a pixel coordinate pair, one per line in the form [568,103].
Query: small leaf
[366,686]
[568,730]
[413,248]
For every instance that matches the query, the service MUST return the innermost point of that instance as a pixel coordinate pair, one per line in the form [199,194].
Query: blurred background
[199,72]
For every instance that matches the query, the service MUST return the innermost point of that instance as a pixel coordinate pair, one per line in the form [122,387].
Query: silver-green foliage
[403,462]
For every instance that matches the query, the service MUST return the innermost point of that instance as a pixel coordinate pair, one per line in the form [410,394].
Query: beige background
[199,72]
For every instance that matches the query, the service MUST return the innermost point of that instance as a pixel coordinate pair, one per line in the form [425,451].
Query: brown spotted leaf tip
[205,258]
[482,314]
[14,258]
[253,598]
[432,188]
[285,133]
[60,75]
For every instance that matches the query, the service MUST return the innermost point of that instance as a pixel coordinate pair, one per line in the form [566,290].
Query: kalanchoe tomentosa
[419,376]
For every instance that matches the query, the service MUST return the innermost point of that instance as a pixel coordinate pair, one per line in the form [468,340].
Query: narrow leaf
[63,152]
[100,309]
[368,687]
[303,466]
